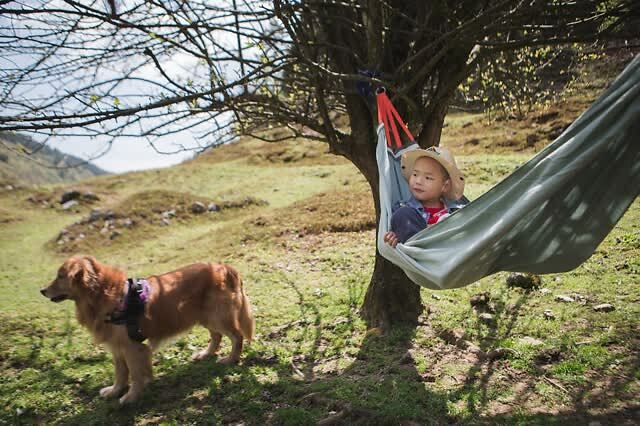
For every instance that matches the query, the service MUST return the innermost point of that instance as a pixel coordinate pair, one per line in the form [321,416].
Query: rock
[166,221]
[90,196]
[548,314]
[480,299]
[198,208]
[436,296]
[63,233]
[115,234]
[168,214]
[500,353]
[527,340]
[69,195]
[127,222]
[604,307]
[213,207]
[564,298]
[69,204]
[545,291]
[548,356]
[486,318]
[525,281]
[96,214]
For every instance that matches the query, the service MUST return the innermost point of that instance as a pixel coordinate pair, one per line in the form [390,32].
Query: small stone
[90,196]
[213,207]
[168,214]
[527,340]
[436,296]
[499,353]
[486,318]
[480,299]
[564,298]
[604,307]
[525,281]
[198,208]
[69,195]
[69,204]
[166,221]
[115,234]
[96,214]
[545,291]
[548,314]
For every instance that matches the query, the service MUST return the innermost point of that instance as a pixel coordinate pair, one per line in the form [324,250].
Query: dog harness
[131,308]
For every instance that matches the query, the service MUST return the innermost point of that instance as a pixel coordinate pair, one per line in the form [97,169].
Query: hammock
[548,216]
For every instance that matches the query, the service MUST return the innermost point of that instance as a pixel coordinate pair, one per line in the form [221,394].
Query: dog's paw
[201,355]
[110,391]
[129,398]
[228,361]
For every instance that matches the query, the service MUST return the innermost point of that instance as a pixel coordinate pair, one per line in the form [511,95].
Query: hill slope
[25,161]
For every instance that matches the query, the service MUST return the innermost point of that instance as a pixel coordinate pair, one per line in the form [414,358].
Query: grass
[305,250]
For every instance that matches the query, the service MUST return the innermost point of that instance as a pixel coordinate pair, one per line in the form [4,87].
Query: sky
[128,154]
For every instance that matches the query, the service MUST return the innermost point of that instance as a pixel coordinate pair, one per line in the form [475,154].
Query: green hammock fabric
[546,217]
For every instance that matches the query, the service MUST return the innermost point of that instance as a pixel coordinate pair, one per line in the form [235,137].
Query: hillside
[299,225]
[19,165]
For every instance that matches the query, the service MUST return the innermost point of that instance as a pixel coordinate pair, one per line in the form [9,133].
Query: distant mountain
[44,165]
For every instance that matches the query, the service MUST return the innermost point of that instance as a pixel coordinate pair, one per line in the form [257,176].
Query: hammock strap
[389,116]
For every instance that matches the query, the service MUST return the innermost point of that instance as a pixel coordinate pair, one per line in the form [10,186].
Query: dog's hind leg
[138,358]
[236,346]
[213,347]
[121,379]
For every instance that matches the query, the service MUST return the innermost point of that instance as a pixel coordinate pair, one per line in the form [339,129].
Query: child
[436,185]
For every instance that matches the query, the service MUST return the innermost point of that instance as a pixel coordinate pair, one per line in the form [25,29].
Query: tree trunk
[391,297]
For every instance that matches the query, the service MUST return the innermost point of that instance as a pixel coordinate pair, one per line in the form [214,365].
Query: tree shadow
[384,382]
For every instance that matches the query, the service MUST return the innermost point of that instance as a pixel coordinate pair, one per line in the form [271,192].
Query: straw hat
[445,158]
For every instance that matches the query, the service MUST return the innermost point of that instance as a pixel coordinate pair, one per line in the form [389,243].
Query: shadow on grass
[594,402]
[381,384]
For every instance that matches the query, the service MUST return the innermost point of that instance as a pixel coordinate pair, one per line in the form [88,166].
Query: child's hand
[391,238]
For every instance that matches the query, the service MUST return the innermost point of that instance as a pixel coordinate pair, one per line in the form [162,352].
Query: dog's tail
[247,323]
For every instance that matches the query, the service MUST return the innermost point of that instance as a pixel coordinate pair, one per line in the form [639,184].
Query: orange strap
[388,115]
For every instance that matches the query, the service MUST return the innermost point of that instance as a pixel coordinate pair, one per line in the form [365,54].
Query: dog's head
[77,275]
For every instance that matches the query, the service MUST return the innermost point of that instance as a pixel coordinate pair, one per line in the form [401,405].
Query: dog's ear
[83,271]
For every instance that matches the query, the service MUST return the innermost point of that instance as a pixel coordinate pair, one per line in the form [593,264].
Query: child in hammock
[436,186]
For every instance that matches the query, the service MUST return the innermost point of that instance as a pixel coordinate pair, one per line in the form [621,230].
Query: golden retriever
[203,293]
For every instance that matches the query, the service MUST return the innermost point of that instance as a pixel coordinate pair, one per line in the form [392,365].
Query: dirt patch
[142,211]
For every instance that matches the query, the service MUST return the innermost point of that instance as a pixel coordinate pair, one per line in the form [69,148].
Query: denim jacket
[411,216]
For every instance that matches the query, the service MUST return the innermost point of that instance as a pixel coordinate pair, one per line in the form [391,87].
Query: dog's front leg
[121,378]
[138,358]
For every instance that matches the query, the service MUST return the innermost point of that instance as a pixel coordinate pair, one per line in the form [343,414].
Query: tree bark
[391,298]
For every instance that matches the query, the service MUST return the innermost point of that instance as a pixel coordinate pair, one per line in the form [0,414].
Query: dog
[208,294]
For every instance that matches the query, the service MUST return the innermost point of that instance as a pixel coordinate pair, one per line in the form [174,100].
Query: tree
[91,68]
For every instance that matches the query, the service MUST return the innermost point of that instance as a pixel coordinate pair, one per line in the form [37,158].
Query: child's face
[428,181]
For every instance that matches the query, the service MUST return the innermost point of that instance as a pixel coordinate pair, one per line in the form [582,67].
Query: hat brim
[456,187]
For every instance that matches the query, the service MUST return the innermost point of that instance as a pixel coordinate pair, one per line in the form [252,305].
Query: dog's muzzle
[55,299]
